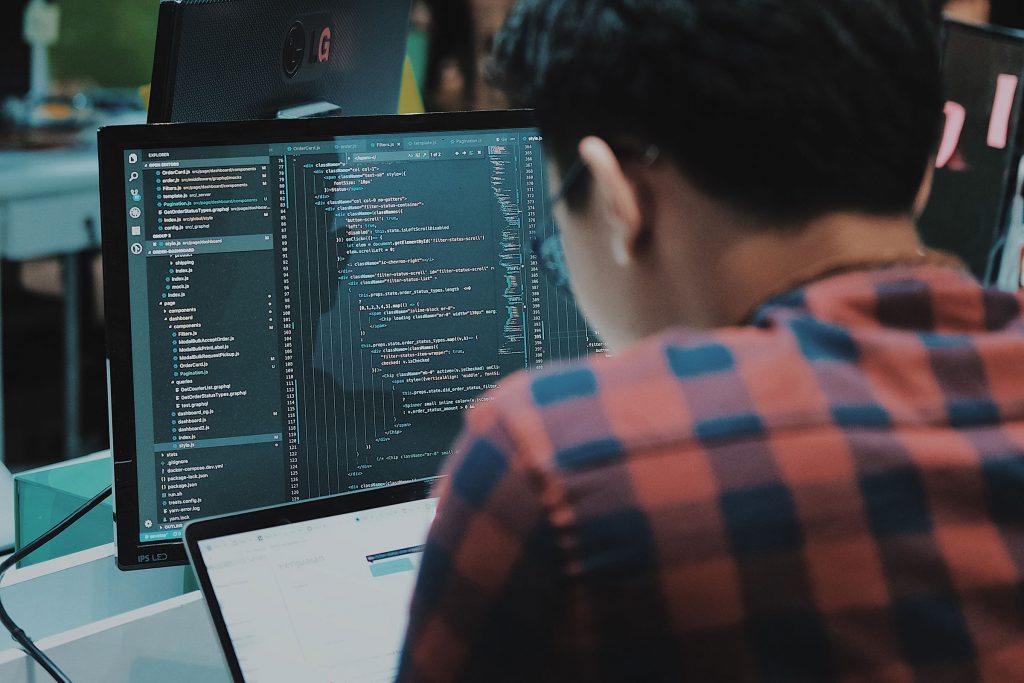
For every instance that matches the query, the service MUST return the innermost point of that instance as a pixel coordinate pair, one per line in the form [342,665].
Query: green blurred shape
[106,42]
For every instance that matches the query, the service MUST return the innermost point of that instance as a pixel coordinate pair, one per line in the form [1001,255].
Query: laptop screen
[321,600]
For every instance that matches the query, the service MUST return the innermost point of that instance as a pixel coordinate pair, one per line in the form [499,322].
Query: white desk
[104,626]
[49,206]
[169,642]
[49,203]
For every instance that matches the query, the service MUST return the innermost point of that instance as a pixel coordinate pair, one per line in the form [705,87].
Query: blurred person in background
[971,11]
[1008,13]
[451,71]
[460,36]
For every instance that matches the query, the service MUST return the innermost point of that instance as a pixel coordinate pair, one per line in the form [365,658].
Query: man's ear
[614,194]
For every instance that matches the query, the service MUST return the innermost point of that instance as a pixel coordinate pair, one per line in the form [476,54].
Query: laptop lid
[314,591]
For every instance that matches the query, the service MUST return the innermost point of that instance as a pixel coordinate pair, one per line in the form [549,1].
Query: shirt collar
[790,294]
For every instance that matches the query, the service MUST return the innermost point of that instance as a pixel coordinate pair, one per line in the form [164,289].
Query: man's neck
[756,266]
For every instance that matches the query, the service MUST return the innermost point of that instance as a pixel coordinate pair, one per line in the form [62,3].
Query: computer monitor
[977,159]
[15,55]
[302,308]
[260,59]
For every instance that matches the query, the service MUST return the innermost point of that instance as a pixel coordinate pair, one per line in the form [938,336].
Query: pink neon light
[999,126]
[956,116]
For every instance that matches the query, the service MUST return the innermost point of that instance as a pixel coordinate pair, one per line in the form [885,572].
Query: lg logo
[307,47]
[294,49]
[324,51]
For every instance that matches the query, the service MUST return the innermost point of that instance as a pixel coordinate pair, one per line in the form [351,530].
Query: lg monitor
[975,178]
[302,308]
[234,60]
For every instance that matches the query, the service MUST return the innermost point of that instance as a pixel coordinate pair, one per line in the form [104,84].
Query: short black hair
[786,109]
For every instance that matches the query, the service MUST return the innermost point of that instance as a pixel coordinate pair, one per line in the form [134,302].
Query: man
[805,459]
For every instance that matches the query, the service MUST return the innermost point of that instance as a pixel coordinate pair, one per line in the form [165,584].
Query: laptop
[314,591]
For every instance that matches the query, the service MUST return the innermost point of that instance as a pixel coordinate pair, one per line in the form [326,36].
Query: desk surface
[51,172]
[48,173]
[105,626]
[49,203]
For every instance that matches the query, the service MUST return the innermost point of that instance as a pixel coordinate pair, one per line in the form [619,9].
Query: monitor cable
[16,632]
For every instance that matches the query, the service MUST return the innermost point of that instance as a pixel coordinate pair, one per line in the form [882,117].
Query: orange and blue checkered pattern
[832,493]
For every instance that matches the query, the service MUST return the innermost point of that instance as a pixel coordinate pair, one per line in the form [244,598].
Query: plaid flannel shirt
[835,492]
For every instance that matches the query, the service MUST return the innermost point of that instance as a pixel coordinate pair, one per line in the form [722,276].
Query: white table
[104,626]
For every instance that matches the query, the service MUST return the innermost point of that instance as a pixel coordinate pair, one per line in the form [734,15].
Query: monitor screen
[312,316]
[977,159]
[323,600]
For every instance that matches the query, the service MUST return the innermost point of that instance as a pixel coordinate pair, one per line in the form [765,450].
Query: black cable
[16,632]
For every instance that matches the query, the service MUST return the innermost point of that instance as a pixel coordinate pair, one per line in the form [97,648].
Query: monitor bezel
[280,515]
[114,141]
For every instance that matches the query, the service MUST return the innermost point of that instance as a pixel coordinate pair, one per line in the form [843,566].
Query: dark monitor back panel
[14,53]
[983,69]
[232,60]
[303,308]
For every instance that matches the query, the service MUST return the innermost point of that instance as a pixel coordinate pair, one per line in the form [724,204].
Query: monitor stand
[310,110]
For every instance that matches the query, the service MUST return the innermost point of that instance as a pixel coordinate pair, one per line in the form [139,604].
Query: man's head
[700,122]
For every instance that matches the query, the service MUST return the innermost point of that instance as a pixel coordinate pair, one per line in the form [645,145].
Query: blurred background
[101,61]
